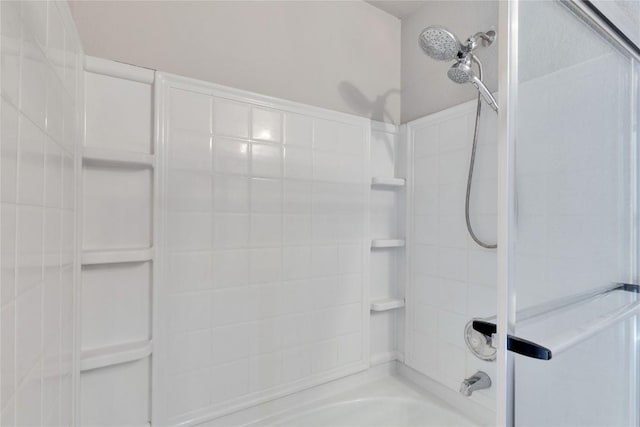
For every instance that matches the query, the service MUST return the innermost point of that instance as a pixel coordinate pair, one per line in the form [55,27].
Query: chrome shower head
[439,43]
[461,73]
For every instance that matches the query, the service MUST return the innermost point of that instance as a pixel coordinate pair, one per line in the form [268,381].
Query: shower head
[440,43]
[461,73]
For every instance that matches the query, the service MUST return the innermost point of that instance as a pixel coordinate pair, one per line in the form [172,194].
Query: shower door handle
[515,344]
[565,341]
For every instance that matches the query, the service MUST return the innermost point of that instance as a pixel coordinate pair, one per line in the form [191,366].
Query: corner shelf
[387,304]
[387,243]
[117,256]
[114,355]
[117,157]
[378,181]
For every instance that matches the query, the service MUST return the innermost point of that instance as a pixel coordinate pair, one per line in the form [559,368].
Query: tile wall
[265,249]
[41,58]
[452,279]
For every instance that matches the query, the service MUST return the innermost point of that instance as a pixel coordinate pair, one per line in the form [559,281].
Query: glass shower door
[568,251]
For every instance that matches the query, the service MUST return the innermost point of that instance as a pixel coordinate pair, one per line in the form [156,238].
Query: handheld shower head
[439,43]
[461,73]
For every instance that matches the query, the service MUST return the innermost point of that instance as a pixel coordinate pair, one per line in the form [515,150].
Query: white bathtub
[385,399]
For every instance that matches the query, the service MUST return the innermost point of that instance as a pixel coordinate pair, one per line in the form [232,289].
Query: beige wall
[345,55]
[425,85]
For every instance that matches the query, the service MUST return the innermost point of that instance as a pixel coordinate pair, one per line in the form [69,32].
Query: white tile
[297,197]
[350,258]
[347,318]
[10,50]
[31,164]
[229,381]
[34,15]
[452,296]
[295,297]
[325,135]
[298,129]
[189,191]
[189,231]
[296,363]
[296,229]
[350,348]
[230,230]
[230,118]
[231,193]
[297,162]
[453,134]
[324,260]
[28,347]
[190,312]
[452,263]
[230,306]
[325,356]
[230,343]
[8,149]
[53,175]
[296,329]
[266,229]
[265,371]
[266,160]
[483,268]
[33,90]
[190,111]
[266,125]
[8,362]
[265,336]
[29,247]
[189,351]
[350,289]
[266,195]
[230,268]
[7,252]
[230,156]
[189,391]
[264,301]
[190,271]
[29,399]
[264,265]
[426,141]
[189,150]
[296,262]
[350,139]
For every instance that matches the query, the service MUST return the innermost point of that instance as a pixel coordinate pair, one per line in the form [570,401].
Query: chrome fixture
[442,45]
[479,344]
[478,381]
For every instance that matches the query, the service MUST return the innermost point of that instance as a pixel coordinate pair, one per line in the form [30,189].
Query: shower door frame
[508,37]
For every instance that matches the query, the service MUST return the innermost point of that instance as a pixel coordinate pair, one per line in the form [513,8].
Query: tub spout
[477,381]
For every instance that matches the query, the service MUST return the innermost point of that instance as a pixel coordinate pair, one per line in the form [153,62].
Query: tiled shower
[179,251]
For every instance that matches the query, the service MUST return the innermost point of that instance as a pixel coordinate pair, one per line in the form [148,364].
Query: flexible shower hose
[472,165]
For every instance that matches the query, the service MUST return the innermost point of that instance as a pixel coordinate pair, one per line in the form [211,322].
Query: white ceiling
[398,8]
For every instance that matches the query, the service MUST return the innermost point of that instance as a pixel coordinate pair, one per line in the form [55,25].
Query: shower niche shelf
[378,181]
[387,243]
[110,157]
[116,256]
[114,355]
[386,304]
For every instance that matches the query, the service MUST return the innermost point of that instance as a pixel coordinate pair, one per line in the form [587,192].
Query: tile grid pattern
[266,240]
[452,278]
[40,84]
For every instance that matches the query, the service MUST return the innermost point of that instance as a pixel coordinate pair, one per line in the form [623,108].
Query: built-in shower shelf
[387,243]
[117,256]
[111,157]
[387,304]
[378,181]
[114,355]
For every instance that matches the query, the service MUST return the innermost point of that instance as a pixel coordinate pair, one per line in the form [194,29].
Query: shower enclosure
[567,247]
